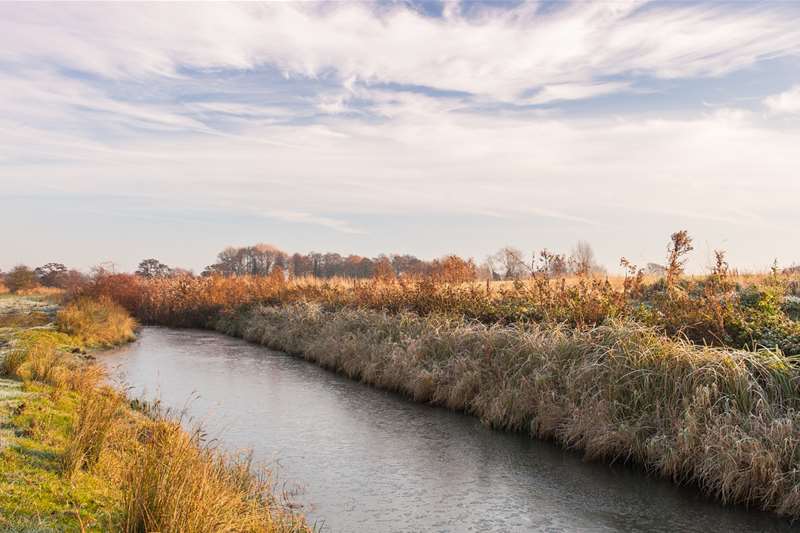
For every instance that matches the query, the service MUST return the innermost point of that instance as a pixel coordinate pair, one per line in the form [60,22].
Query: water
[371,461]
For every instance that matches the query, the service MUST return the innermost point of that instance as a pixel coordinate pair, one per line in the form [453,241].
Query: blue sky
[172,130]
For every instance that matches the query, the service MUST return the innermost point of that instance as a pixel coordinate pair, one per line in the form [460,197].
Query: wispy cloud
[498,52]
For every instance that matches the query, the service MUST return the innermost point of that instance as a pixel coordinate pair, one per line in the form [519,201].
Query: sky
[130,131]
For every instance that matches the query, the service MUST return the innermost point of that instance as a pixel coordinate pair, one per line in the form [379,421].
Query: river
[360,459]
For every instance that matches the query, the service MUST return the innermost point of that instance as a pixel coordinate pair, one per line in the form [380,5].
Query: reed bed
[725,420]
[720,309]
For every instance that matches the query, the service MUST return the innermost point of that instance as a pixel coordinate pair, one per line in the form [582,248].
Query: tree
[581,259]
[21,278]
[256,260]
[510,263]
[153,268]
[383,269]
[453,269]
[51,274]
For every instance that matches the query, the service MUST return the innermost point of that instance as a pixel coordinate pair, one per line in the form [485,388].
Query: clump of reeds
[38,360]
[726,420]
[175,483]
[97,413]
[97,322]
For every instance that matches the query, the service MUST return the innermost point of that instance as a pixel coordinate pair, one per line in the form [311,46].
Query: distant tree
[655,269]
[484,272]
[51,274]
[21,278]
[256,260]
[383,269]
[408,265]
[301,265]
[581,259]
[73,281]
[153,268]
[509,263]
[453,269]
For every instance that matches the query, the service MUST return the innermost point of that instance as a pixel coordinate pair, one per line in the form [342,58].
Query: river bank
[724,420]
[76,456]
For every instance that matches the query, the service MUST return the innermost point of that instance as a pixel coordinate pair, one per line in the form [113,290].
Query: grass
[722,308]
[97,412]
[174,483]
[97,323]
[75,457]
[36,496]
[725,420]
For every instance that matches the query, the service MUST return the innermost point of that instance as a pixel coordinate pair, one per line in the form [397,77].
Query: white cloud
[576,91]
[435,161]
[785,102]
[499,53]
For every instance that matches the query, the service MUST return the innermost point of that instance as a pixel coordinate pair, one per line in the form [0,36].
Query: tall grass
[175,484]
[38,360]
[726,420]
[97,413]
[96,322]
[719,309]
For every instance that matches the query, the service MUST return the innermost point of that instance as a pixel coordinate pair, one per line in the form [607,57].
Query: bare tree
[510,262]
[581,259]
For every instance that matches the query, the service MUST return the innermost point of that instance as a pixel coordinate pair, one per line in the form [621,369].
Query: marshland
[683,385]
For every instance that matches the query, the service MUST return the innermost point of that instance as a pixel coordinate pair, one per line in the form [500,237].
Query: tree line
[264,260]
[508,263]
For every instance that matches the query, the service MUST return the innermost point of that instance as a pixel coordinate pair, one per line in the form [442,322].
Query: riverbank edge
[41,420]
[37,419]
[724,420]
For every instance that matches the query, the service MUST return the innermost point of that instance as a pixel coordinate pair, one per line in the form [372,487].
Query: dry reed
[725,420]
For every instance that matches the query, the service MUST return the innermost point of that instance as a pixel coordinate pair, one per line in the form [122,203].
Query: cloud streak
[499,53]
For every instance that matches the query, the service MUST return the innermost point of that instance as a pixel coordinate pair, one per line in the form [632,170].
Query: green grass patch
[35,494]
